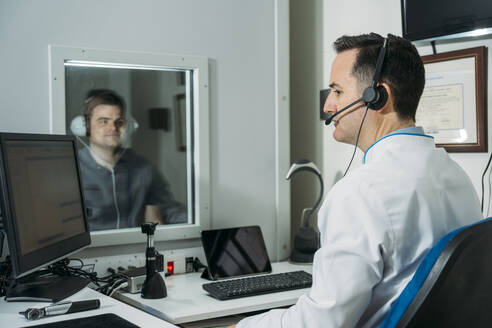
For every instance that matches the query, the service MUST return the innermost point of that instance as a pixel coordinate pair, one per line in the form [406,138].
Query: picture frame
[180,106]
[453,106]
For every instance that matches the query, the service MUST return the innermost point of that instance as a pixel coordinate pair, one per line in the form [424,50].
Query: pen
[61,308]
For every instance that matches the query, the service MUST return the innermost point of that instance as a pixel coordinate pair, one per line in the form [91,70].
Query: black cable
[483,176]
[2,237]
[79,260]
[197,265]
[433,44]
[5,275]
[356,141]
[104,284]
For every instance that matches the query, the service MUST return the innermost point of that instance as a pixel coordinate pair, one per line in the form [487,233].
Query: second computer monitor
[41,198]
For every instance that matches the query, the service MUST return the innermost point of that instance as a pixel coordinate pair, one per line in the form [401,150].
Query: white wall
[383,16]
[350,17]
[246,83]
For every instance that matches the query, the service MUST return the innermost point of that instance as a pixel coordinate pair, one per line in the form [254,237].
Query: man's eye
[337,92]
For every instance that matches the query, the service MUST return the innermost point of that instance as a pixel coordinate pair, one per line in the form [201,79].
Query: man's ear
[389,105]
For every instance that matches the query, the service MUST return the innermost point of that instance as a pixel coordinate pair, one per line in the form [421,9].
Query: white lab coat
[376,225]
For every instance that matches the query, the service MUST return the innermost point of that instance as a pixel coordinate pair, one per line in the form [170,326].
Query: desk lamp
[306,240]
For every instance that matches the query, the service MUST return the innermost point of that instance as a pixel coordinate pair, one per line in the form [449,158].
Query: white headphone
[78,128]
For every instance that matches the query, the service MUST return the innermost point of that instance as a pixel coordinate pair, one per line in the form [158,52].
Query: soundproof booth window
[141,124]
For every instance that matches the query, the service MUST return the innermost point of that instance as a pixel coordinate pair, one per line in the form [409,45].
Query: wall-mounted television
[439,19]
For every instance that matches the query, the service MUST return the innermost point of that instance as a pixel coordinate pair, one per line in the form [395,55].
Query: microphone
[330,118]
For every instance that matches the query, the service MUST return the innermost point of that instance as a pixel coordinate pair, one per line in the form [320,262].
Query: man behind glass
[121,188]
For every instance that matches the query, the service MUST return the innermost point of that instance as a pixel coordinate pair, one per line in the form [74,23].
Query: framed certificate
[453,105]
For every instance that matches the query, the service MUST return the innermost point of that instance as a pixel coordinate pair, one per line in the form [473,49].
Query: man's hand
[233,326]
[153,214]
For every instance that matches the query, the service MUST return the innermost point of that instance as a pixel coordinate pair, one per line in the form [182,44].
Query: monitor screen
[235,252]
[42,203]
[423,19]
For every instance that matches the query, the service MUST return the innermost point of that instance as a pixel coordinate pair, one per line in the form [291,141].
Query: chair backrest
[452,287]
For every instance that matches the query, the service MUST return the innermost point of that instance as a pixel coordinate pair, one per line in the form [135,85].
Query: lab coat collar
[414,132]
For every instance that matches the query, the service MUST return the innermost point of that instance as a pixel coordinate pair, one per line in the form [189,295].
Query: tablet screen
[235,252]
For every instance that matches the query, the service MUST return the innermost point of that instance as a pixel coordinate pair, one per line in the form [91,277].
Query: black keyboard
[250,286]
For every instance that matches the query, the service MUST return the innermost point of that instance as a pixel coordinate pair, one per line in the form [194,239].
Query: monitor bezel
[441,33]
[25,264]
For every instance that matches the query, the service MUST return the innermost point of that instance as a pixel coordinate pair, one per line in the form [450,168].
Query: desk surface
[10,317]
[186,301]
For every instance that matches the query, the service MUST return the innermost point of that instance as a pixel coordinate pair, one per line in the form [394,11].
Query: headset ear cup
[77,126]
[130,129]
[131,126]
[381,98]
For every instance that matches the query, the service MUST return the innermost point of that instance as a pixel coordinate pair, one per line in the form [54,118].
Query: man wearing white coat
[378,222]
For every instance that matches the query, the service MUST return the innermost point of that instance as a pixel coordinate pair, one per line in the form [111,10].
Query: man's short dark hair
[96,97]
[403,69]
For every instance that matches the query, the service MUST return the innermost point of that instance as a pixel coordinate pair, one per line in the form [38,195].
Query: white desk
[186,301]
[10,317]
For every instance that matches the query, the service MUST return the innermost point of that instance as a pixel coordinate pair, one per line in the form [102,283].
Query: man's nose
[330,105]
[113,125]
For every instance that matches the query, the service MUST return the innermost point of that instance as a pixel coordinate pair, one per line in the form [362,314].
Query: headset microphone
[330,118]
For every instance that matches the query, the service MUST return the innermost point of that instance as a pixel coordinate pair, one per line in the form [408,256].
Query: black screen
[424,19]
[235,252]
[42,203]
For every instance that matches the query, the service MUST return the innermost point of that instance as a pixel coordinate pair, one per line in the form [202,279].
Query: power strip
[176,258]
[136,278]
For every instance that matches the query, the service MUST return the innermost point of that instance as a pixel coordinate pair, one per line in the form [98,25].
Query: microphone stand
[154,286]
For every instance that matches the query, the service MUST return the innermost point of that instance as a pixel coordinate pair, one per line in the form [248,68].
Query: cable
[5,275]
[356,141]
[483,175]
[79,260]
[115,199]
[123,284]
[489,193]
[197,265]
[106,285]
[2,237]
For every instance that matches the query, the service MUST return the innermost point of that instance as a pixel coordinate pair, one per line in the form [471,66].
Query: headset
[80,125]
[375,96]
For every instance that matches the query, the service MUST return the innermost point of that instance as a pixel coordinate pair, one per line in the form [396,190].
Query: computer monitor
[42,205]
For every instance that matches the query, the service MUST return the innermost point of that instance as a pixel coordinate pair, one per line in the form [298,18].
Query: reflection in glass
[133,165]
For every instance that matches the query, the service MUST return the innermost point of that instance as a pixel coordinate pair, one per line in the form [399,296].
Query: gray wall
[237,36]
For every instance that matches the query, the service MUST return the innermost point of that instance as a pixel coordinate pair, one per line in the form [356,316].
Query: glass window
[142,130]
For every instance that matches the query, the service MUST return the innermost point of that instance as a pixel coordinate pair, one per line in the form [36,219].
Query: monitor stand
[45,289]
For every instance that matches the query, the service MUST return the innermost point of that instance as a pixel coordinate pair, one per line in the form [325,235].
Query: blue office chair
[452,287]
